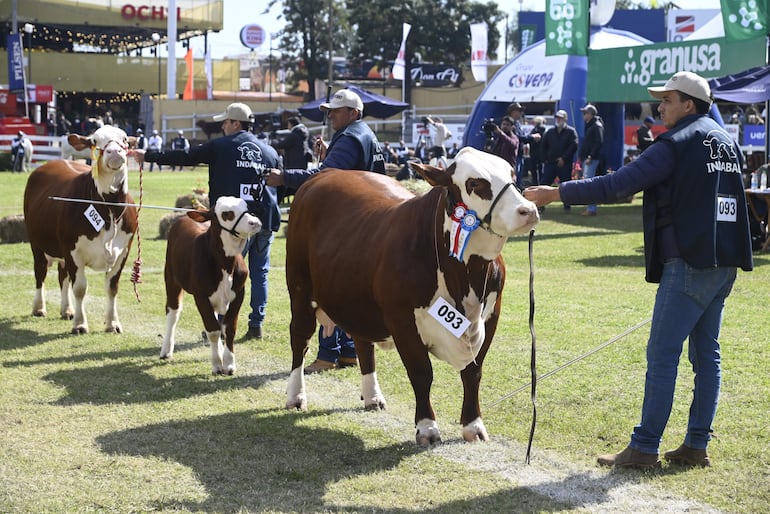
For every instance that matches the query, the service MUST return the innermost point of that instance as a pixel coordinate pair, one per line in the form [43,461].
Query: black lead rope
[533,366]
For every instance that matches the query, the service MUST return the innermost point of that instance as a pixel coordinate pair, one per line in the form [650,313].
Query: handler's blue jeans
[335,346]
[689,302]
[259,263]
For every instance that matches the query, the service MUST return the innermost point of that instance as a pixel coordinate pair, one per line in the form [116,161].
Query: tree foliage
[373,30]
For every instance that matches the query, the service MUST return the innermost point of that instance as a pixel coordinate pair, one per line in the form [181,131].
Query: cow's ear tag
[93,216]
[95,162]
[449,317]
[464,221]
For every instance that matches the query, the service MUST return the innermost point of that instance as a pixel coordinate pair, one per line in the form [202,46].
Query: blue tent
[375,105]
[748,87]
[534,77]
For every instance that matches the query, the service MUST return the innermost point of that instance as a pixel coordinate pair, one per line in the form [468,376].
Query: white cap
[561,113]
[344,98]
[685,82]
[589,108]
[235,111]
[154,132]
[180,132]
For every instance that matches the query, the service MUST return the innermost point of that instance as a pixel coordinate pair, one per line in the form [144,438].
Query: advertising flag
[479,51]
[566,27]
[209,75]
[399,66]
[745,19]
[15,63]
[188,87]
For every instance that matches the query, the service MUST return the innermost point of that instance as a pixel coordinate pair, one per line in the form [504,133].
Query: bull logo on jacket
[250,153]
[722,154]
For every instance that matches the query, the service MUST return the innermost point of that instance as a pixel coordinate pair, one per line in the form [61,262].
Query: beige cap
[589,108]
[344,98]
[561,113]
[235,111]
[685,82]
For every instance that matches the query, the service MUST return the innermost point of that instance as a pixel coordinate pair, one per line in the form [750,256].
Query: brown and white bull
[387,267]
[81,234]
[203,257]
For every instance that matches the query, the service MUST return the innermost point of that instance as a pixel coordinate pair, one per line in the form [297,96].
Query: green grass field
[98,423]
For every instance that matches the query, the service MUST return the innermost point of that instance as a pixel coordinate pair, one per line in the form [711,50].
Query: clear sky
[245,12]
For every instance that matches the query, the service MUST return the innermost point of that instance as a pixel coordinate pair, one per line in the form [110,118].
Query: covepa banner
[624,74]
[745,19]
[566,27]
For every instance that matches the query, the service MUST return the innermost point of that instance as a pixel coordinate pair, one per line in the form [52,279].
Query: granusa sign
[624,74]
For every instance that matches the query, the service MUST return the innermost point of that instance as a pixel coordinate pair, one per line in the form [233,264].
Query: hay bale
[192,201]
[418,187]
[13,229]
[166,222]
[392,169]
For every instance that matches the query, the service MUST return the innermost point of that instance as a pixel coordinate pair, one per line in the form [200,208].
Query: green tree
[309,36]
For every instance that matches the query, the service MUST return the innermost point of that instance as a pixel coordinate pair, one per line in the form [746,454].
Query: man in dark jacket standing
[591,147]
[515,110]
[353,147]
[644,135]
[696,236]
[238,163]
[558,151]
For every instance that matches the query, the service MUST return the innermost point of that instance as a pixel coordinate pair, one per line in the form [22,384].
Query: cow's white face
[481,177]
[111,145]
[233,216]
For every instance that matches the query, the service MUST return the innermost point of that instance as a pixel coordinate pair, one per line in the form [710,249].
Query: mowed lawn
[98,423]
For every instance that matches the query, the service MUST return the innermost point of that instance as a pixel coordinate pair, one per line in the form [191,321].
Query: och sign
[252,36]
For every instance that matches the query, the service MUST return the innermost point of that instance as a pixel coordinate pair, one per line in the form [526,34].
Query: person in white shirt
[155,144]
[441,134]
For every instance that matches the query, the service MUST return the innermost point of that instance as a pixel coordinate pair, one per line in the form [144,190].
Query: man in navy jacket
[696,236]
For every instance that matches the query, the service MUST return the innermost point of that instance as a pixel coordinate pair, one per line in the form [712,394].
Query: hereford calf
[423,272]
[203,257]
[76,234]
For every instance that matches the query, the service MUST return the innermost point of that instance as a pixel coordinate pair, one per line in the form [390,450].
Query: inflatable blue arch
[559,79]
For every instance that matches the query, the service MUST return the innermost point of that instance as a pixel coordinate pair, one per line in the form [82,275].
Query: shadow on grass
[274,460]
[131,383]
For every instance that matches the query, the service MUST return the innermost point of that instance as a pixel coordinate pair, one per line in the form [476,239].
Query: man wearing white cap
[180,143]
[696,235]
[353,147]
[590,153]
[238,163]
[155,144]
[557,149]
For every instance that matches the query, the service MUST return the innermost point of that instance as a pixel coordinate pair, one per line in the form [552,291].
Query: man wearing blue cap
[644,136]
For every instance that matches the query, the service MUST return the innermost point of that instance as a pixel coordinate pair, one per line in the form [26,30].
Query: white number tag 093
[449,317]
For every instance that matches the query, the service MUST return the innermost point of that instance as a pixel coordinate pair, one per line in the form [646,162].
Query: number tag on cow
[727,208]
[246,192]
[449,317]
[93,216]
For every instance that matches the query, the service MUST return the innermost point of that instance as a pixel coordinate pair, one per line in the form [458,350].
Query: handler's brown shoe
[686,456]
[347,362]
[630,458]
[318,365]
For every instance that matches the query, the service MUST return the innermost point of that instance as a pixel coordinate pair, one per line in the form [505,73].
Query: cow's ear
[79,142]
[199,216]
[435,176]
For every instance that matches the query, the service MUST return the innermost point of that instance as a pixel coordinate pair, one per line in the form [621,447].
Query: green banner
[745,19]
[566,27]
[528,33]
[624,74]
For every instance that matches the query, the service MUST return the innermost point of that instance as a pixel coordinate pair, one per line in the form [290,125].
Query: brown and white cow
[365,253]
[81,234]
[203,257]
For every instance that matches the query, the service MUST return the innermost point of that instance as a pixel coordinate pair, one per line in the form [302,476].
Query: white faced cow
[420,272]
[81,234]
[203,257]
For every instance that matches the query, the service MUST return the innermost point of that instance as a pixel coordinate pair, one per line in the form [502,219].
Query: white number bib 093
[93,216]
[727,208]
[246,192]
[449,317]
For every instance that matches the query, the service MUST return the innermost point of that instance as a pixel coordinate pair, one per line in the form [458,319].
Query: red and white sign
[252,36]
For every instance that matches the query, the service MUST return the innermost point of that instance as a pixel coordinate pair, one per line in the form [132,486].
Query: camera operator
[238,165]
[505,142]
